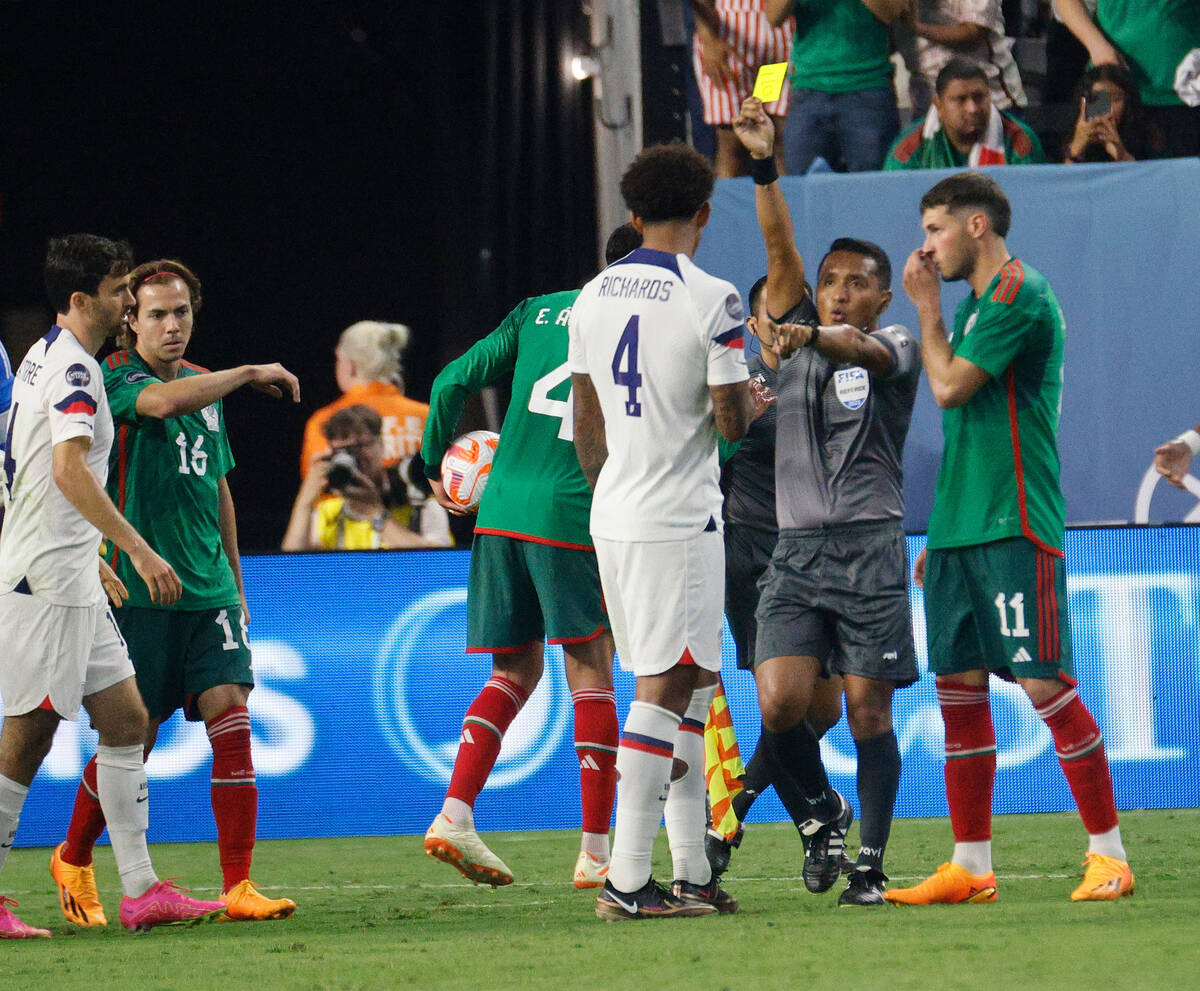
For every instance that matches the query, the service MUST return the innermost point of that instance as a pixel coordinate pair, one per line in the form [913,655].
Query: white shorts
[665,601]
[54,656]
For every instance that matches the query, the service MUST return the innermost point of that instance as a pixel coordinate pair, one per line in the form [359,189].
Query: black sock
[755,781]
[797,753]
[878,780]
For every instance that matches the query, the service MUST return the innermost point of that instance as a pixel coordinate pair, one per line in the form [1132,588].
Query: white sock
[12,800]
[644,772]
[125,798]
[686,821]
[596,844]
[1107,844]
[459,812]
[975,857]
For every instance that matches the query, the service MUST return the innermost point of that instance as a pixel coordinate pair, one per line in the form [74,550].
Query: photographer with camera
[350,501]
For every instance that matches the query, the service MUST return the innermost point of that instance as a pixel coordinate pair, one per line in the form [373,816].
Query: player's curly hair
[375,348]
[972,190]
[158,273]
[667,182]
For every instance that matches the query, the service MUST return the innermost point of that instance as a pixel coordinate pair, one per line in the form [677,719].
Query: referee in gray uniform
[834,599]
[751,530]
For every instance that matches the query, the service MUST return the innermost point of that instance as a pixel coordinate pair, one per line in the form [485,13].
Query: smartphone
[1097,104]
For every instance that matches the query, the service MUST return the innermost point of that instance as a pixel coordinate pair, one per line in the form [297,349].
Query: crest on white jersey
[78,376]
[733,306]
[853,386]
[212,419]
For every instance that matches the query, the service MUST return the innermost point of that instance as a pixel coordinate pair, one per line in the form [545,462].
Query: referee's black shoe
[824,849]
[718,850]
[865,888]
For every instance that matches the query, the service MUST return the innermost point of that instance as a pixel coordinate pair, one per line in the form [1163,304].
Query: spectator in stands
[1119,133]
[964,128]
[350,501]
[968,29]
[843,103]
[733,40]
[1151,37]
[1174,458]
[368,372]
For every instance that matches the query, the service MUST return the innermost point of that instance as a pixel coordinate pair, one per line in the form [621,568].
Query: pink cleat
[13,928]
[165,904]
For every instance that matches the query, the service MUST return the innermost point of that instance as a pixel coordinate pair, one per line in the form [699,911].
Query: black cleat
[650,901]
[865,888]
[825,847]
[718,850]
[705,894]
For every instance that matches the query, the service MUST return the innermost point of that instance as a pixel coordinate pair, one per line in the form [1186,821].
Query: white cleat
[463,850]
[590,870]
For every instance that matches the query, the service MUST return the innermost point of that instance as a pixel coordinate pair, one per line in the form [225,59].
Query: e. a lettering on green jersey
[163,476]
[536,490]
[999,475]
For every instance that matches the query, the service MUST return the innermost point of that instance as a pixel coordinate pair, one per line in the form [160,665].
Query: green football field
[377,913]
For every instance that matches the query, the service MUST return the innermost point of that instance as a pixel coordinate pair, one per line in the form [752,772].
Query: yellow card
[769,84]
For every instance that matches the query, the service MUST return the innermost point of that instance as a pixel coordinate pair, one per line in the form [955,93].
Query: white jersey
[653,332]
[47,548]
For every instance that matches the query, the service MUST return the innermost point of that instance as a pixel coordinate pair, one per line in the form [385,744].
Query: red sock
[1080,749]
[970,759]
[87,820]
[234,793]
[596,738]
[484,726]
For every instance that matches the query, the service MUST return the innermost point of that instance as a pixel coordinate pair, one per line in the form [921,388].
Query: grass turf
[375,913]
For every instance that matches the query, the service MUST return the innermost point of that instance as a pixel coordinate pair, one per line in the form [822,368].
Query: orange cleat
[950,885]
[1105,880]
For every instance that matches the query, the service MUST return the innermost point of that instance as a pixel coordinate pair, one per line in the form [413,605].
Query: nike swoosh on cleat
[630,907]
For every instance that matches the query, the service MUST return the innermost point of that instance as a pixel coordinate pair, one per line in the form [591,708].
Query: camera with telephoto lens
[342,469]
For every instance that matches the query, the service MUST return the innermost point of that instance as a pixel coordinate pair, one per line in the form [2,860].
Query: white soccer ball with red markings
[466,466]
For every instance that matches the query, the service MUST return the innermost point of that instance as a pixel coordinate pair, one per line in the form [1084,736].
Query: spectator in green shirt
[1151,37]
[843,104]
[964,128]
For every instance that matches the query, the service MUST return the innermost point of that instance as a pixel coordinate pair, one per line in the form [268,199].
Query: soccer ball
[466,466]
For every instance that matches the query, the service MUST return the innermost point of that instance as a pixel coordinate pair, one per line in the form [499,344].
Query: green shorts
[521,591]
[1000,606]
[179,654]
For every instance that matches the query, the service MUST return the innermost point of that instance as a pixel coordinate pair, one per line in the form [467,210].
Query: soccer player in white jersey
[61,644]
[657,370]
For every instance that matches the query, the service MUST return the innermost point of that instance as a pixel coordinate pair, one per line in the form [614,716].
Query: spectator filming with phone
[1112,126]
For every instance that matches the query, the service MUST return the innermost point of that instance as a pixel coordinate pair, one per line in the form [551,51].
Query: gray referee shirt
[840,435]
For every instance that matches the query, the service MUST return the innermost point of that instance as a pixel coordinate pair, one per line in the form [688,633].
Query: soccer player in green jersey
[533,576]
[995,594]
[167,476]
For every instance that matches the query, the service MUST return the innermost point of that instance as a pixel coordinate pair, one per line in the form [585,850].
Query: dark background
[315,163]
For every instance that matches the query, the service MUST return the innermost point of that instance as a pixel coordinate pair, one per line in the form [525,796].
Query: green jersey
[1154,36]
[912,150]
[163,476]
[839,47]
[536,490]
[999,475]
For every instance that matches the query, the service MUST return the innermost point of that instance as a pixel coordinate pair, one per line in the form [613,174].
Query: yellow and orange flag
[723,767]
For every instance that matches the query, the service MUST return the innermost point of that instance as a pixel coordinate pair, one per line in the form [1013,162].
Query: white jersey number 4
[562,410]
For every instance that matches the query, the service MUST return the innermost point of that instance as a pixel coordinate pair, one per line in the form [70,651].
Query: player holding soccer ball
[167,475]
[995,593]
[533,577]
